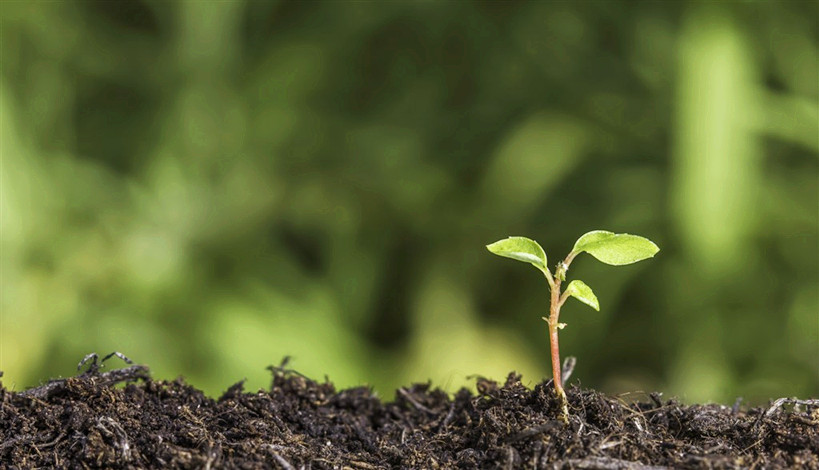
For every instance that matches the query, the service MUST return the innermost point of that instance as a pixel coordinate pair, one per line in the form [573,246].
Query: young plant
[616,249]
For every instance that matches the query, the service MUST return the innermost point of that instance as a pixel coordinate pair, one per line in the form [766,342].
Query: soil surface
[123,419]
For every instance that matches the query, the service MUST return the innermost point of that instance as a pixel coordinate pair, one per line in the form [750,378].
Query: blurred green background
[210,186]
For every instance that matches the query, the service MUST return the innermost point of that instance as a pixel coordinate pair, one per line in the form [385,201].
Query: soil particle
[89,422]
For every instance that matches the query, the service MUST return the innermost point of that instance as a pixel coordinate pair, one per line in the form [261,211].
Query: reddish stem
[554,325]
[554,315]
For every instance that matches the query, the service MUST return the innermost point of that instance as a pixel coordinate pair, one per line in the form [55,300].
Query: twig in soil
[417,405]
[568,368]
[793,401]
[735,408]
[105,379]
[364,465]
[281,460]
[95,365]
[213,453]
[533,431]
[281,370]
[52,443]
[607,463]
[449,416]
[128,374]
[110,428]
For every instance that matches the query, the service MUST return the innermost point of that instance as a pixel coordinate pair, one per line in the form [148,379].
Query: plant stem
[554,326]
[554,313]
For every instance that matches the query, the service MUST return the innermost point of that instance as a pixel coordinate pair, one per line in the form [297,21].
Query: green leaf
[521,249]
[615,248]
[580,291]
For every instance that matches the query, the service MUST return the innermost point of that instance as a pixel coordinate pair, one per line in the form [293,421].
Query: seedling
[616,249]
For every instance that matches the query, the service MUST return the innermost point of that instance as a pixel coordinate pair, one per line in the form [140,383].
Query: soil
[124,419]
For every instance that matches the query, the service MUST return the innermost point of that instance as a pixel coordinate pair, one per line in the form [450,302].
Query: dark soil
[88,422]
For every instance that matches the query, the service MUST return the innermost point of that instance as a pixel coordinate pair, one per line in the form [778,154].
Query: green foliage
[580,291]
[521,249]
[611,248]
[615,248]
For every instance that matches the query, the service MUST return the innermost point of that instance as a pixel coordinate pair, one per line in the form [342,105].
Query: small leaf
[521,249]
[615,248]
[580,291]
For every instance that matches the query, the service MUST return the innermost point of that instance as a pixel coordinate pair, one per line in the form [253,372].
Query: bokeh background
[208,187]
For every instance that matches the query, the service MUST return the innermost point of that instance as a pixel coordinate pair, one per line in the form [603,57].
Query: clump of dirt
[88,422]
